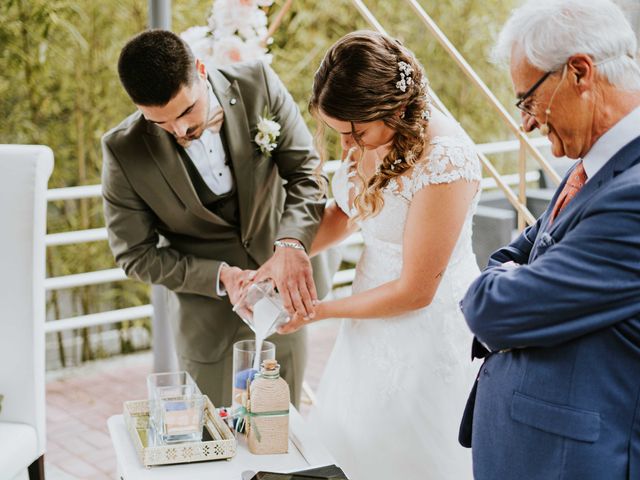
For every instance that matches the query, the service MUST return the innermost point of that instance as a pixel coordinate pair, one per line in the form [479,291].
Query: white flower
[255,51]
[235,33]
[202,44]
[194,34]
[269,127]
[268,133]
[262,139]
[257,3]
[229,50]
[243,18]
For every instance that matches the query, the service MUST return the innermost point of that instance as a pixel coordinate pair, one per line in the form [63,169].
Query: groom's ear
[201,69]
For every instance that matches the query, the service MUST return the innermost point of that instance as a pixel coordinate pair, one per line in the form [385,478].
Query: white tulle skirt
[393,392]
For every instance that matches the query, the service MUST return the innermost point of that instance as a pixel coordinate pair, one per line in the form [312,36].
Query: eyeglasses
[520,104]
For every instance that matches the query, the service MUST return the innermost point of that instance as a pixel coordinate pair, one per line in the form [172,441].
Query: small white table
[305,451]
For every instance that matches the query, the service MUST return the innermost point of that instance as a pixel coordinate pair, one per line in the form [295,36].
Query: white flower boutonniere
[268,133]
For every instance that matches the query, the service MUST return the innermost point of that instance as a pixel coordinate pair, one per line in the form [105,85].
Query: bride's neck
[380,153]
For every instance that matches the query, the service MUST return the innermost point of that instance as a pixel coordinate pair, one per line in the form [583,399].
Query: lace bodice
[450,158]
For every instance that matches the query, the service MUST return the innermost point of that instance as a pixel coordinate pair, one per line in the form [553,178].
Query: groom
[558,310]
[192,201]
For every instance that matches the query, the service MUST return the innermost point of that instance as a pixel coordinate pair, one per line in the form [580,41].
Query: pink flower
[235,31]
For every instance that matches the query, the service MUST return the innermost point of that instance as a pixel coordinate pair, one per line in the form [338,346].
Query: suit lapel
[621,161]
[166,155]
[240,146]
[547,213]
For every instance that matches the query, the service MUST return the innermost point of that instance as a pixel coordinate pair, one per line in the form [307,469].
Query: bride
[394,389]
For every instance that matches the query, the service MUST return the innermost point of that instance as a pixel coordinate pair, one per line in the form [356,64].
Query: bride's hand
[297,321]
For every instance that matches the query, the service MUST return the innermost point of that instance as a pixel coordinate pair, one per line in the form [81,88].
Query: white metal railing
[116,274]
[96,319]
[77,236]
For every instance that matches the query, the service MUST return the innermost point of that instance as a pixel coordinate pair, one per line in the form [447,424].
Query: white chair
[24,173]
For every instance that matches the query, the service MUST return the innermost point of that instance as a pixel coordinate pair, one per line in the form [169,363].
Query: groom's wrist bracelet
[288,244]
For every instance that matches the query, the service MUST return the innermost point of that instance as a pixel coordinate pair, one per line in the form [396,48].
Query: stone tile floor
[80,400]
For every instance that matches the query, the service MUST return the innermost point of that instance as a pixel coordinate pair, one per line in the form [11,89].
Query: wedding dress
[394,389]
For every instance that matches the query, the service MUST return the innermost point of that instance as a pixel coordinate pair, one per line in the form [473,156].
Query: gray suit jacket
[160,232]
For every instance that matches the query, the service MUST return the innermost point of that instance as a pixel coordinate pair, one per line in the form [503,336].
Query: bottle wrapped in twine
[268,425]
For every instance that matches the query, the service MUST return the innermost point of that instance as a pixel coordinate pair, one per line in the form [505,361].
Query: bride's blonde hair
[361,79]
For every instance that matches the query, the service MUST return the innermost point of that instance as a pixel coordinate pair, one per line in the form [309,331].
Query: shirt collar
[213,100]
[611,142]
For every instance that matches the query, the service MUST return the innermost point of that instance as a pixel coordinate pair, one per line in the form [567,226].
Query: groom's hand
[235,281]
[290,270]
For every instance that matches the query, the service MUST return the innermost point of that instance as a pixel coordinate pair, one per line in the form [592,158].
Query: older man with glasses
[556,313]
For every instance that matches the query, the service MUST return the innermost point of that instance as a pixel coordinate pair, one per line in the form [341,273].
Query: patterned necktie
[575,182]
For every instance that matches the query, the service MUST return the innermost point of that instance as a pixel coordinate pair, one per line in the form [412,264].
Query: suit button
[246,244]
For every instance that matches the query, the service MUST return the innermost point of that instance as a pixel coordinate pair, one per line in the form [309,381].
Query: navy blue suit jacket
[562,399]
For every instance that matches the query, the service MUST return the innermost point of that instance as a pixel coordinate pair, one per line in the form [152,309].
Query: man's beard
[196,132]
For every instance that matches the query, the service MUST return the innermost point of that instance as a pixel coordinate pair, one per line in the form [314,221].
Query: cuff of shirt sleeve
[220,290]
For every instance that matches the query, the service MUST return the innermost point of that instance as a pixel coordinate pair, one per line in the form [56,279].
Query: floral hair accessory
[426,113]
[405,76]
[397,161]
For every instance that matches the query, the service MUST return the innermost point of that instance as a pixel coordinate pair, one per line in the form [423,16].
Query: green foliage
[60,88]
[312,27]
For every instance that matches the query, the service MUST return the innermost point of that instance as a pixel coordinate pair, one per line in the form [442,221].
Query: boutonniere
[268,133]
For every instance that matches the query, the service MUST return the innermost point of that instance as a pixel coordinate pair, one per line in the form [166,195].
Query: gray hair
[551,31]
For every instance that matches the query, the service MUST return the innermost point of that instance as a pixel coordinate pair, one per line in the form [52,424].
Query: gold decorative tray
[217,440]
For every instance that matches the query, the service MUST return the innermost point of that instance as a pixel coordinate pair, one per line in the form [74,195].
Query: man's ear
[581,70]
[201,69]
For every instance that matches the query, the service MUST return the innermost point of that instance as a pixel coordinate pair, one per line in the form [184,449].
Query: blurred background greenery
[59,87]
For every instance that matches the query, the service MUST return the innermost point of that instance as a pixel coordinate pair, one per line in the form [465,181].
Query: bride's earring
[402,114]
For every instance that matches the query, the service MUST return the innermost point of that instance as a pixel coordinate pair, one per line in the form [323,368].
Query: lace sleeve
[450,159]
[341,185]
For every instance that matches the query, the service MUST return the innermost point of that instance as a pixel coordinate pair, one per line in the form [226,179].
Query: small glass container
[244,362]
[261,308]
[169,379]
[176,407]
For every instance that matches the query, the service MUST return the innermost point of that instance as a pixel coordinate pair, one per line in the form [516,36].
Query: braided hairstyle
[361,79]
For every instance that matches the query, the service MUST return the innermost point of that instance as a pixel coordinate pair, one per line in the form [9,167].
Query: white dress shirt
[623,132]
[208,155]
[209,158]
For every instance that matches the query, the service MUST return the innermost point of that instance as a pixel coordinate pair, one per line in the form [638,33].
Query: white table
[305,451]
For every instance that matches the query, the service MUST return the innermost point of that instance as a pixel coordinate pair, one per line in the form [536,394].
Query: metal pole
[164,350]
[160,14]
[165,358]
